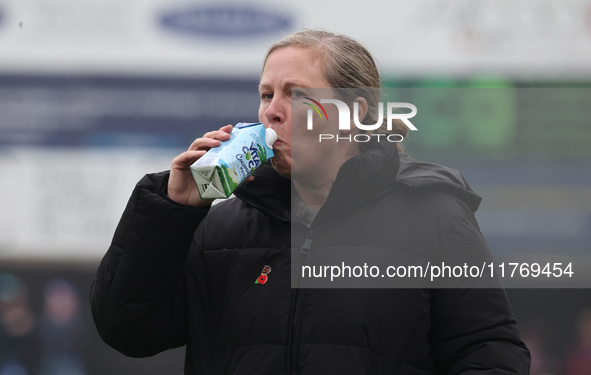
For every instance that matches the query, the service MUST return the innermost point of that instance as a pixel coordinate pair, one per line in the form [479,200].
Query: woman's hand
[181,185]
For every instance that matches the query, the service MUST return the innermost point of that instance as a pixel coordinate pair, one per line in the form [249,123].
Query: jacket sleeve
[473,329]
[138,297]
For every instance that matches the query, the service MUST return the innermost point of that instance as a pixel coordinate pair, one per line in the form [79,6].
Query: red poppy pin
[263,278]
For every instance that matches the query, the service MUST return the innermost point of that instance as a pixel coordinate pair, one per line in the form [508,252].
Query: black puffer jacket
[176,275]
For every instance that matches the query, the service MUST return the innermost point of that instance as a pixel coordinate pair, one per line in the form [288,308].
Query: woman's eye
[297,94]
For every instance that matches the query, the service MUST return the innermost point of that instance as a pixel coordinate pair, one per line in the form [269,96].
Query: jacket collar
[269,192]
[434,176]
[362,177]
[365,176]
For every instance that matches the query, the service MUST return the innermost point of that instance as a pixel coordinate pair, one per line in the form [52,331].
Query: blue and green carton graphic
[219,172]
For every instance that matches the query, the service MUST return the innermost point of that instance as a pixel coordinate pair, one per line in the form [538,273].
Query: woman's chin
[281,166]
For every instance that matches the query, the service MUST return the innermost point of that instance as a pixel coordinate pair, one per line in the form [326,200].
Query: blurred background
[95,94]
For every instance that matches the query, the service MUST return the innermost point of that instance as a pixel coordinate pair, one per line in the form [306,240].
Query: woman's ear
[358,110]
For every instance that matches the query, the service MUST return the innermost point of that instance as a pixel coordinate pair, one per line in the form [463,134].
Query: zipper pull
[307,243]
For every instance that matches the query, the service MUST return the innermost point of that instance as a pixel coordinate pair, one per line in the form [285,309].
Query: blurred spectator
[61,331]
[12,368]
[17,342]
[578,358]
[535,333]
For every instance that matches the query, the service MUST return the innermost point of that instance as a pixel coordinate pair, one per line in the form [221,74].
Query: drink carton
[219,172]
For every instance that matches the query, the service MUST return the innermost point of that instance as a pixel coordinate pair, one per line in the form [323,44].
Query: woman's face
[286,69]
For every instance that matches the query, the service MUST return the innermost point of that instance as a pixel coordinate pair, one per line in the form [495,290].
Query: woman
[180,271]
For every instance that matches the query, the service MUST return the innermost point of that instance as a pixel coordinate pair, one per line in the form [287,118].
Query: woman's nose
[276,112]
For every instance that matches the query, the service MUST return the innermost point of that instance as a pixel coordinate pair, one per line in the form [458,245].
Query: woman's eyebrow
[262,86]
[292,84]
[284,84]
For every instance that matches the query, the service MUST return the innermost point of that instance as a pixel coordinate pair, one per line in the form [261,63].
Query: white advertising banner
[60,204]
[521,38]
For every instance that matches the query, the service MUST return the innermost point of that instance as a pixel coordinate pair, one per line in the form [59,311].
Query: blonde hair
[346,64]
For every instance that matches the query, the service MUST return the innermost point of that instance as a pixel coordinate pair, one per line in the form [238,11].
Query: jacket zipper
[293,334]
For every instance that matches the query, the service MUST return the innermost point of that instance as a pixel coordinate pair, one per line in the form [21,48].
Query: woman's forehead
[293,66]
